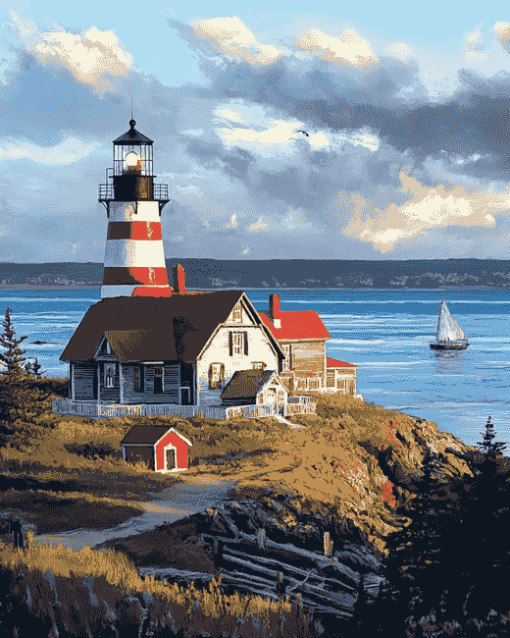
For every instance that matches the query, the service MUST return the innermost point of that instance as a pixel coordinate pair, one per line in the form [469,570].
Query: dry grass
[54,512]
[58,578]
[76,454]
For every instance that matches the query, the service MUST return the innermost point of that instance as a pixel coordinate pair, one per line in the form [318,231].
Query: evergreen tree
[488,446]
[18,399]
[13,355]
[34,369]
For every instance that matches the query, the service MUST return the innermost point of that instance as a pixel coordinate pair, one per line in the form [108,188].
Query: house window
[237,314]
[271,395]
[340,384]
[109,375]
[158,380]
[258,365]
[108,347]
[238,343]
[216,375]
[138,378]
[302,383]
[286,361]
[315,383]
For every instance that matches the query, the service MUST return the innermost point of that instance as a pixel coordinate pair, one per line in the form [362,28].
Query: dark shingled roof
[172,328]
[148,434]
[246,384]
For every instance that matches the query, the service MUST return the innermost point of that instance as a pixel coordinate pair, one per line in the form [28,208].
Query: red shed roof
[149,434]
[335,363]
[297,324]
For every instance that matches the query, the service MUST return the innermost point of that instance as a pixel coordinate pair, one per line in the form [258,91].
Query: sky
[360,131]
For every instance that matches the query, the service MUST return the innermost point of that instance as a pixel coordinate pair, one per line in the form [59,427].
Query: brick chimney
[274,310]
[179,279]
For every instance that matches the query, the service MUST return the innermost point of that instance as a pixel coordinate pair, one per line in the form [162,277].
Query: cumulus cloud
[475,47]
[502,32]
[231,36]
[258,226]
[233,222]
[402,52]
[69,151]
[90,56]
[425,208]
[349,49]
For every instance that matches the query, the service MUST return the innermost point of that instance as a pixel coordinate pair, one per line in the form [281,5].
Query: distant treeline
[282,273]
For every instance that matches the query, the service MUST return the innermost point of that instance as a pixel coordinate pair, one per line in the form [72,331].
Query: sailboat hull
[449,346]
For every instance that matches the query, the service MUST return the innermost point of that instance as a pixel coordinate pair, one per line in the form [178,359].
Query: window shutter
[245,342]
[230,345]
[142,378]
[222,372]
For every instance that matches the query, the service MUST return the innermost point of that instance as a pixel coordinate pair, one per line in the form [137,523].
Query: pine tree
[488,446]
[18,400]
[37,370]
[13,355]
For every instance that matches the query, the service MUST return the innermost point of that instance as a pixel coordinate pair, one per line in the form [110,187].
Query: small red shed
[163,448]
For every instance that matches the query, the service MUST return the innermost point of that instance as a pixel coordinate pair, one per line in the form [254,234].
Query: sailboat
[449,335]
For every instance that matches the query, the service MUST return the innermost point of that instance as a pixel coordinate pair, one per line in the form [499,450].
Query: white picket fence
[94,410]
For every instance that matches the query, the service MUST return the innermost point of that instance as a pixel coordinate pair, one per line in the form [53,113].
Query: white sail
[448,330]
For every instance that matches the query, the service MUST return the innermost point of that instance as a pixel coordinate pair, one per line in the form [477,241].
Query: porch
[95,410]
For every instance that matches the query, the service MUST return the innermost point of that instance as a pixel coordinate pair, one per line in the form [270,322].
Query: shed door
[171,463]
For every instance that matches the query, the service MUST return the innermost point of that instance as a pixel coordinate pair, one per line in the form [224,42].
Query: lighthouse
[135,258]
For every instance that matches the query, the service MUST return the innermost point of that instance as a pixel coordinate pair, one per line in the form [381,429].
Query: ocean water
[385,332]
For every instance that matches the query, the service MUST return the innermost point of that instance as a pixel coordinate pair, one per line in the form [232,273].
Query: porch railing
[93,410]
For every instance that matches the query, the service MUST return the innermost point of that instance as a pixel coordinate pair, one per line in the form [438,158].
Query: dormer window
[109,375]
[108,347]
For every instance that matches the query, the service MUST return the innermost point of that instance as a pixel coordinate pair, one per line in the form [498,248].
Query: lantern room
[132,153]
[132,179]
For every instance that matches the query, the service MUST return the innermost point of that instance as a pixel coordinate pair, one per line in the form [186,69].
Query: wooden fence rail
[94,410]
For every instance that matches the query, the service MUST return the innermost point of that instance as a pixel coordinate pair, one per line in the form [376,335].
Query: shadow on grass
[53,513]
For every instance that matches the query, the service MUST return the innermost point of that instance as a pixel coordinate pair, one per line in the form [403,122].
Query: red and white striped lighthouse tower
[135,258]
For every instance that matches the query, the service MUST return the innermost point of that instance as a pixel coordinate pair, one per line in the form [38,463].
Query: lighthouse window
[109,375]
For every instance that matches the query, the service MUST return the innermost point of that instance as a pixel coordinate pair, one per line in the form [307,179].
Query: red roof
[297,324]
[335,363]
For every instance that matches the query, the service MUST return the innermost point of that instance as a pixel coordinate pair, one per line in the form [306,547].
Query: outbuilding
[162,448]
[255,387]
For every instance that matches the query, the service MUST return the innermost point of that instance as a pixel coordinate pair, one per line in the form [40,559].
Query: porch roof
[246,384]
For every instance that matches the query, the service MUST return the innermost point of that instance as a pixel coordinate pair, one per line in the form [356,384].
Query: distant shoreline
[269,288]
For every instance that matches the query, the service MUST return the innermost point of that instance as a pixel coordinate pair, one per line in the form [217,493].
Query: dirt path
[194,494]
